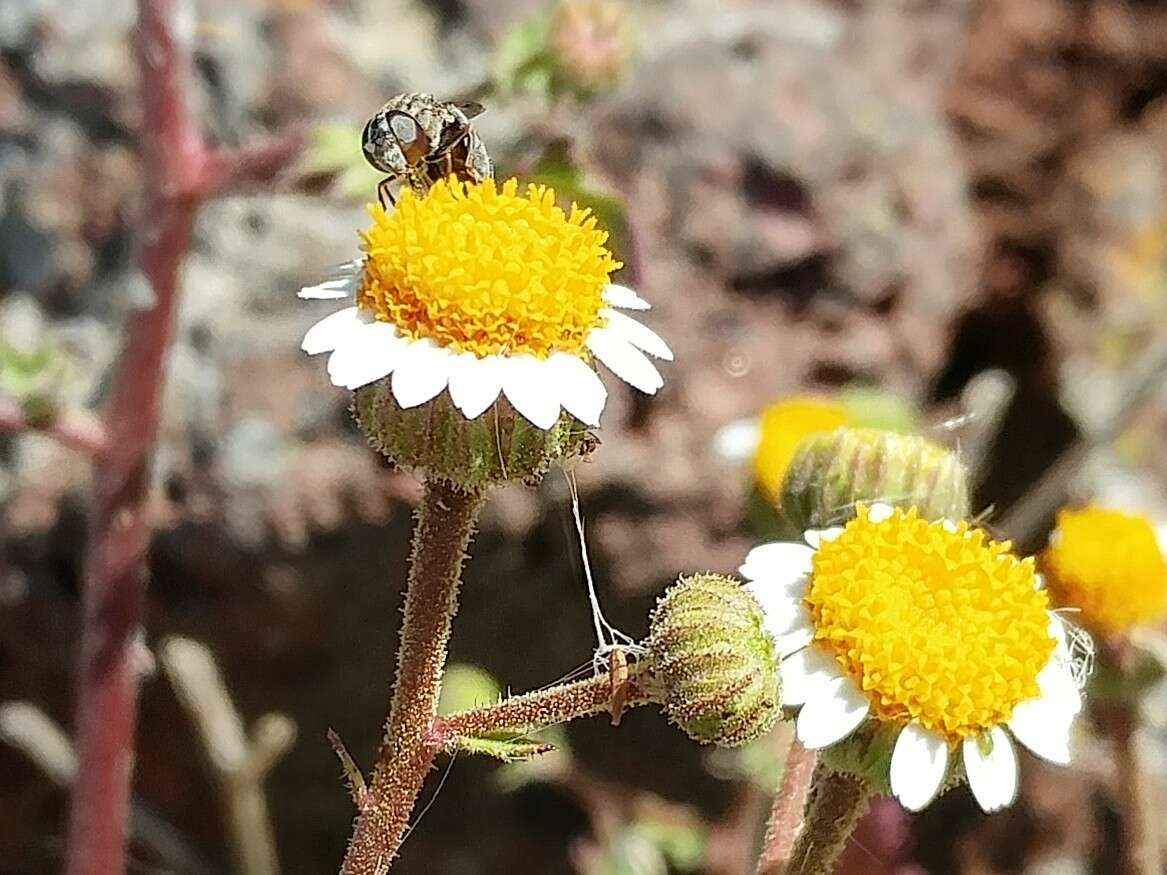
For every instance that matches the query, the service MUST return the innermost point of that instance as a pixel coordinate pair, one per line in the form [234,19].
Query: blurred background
[943,214]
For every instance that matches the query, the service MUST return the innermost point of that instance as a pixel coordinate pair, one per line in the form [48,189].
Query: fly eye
[409,135]
[369,142]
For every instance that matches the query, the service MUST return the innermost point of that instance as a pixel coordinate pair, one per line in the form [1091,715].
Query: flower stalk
[835,805]
[445,525]
[559,704]
[778,844]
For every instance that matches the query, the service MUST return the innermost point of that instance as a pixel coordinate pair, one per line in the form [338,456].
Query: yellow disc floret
[784,426]
[1109,565]
[476,268]
[934,621]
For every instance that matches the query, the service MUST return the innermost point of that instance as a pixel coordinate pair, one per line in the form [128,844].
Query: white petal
[474,383]
[1043,723]
[780,562]
[640,336]
[817,537]
[737,440]
[369,353]
[330,332]
[879,511]
[992,773]
[1030,725]
[624,360]
[805,671]
[342,282]
[530,386]
[918,763]
[832,713]
[581,391]
[625,298]
[784,611]
[421,374]
[794,640]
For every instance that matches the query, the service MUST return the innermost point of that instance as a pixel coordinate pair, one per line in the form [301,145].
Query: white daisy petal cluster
[929,628]
[484,292]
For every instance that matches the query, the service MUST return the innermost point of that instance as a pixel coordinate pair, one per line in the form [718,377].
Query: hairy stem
[833,809]
[535,710]
[445,523]
[778,845]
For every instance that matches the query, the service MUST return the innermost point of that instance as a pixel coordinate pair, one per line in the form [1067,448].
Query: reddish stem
[541,708]
[74,428]
[445,524]
[235,171]
[786,816]
[174,161]
[118,535]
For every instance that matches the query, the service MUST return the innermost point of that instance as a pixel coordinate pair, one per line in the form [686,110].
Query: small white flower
[484,292]
[930,628]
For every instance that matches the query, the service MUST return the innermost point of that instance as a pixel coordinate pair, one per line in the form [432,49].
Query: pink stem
[174,162]
[74,428]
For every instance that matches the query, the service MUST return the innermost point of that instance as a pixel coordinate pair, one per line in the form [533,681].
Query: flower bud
[711,663]
[834,470]
[434,440]
[590,43]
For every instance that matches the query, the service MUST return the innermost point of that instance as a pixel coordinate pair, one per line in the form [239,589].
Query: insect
[419,139]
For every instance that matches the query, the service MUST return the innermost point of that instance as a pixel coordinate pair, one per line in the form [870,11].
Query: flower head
[928,631]
[1109,565]
[483,290]
[783,428]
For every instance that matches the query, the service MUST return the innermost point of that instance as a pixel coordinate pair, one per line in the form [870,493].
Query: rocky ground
[817,194]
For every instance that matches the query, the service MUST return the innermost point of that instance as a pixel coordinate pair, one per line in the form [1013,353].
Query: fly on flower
[486,291]
[924,633]
[419,139]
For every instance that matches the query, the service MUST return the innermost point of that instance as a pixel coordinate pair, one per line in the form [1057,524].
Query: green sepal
[435,441]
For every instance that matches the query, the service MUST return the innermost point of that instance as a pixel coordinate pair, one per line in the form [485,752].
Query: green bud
[435,441]
[711,663]
[834,470]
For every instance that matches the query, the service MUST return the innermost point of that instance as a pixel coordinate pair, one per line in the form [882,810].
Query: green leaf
[335,148]
[875,408]
[502,749]
[521,62]
[466,686]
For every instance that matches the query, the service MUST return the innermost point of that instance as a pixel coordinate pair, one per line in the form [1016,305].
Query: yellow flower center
[484,270]
[784,426]
[1108,564]
[936,623]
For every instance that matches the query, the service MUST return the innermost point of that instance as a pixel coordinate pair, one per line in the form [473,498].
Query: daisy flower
[482,291]
[782,428]
[1109,565]
[927,632]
